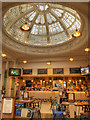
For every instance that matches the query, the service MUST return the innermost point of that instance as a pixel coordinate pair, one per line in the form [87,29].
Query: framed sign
[61,94]
[26,95]
[71,97]
[75,71]
[57,70]
[42,71]
[27,71]
[8,107]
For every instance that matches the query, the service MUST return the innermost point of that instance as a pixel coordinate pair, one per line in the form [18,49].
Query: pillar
[13,82]
[8,81]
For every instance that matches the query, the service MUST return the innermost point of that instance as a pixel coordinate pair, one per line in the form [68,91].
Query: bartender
[65,94]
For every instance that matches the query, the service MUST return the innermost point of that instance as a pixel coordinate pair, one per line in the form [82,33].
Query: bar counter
[47,94]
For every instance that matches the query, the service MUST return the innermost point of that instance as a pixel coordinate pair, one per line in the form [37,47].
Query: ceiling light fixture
[31,80]
[87,49]
[60,81]
[3,55]
[25,27]
[23,80]
[24,62]
[69,80]
[76,34]
[50,80]
[71,59]
[48,63]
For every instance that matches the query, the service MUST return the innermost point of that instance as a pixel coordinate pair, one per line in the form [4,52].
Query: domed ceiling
[50,24]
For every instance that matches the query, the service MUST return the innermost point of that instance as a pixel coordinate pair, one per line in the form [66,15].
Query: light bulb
[3,55]
[71,59]
[76,34]
[25,27]
[24,62]
[87,49]
[48,63]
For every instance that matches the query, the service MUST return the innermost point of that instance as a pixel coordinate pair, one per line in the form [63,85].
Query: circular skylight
[50,24]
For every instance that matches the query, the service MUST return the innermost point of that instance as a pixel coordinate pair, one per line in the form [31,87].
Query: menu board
[57,70]
[75,71]
[27,71]
[7,105]
[42,71]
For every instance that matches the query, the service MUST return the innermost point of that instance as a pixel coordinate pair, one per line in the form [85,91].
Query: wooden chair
[57,114]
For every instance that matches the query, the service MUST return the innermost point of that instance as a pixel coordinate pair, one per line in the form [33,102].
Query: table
[81,104]
[25,101]
[71,108]
[65,103]
[63,97]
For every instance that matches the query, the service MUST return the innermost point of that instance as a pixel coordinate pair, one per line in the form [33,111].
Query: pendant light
[76,34]
[87,49]
[48,63]
[25,27]
[71,58]
[25,62]
[3,55]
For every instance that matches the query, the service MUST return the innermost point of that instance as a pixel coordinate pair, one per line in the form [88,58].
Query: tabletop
[65,103]
[81,103]
[24,101]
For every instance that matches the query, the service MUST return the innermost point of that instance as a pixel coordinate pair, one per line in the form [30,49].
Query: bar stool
[36,110]
[84,115]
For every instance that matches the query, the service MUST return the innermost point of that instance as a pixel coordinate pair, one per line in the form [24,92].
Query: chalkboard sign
[75,71]
[42,71]
[58,71]
[27,71]
[58,78]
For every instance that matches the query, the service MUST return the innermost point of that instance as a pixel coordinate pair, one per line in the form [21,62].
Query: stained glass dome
[50,24]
